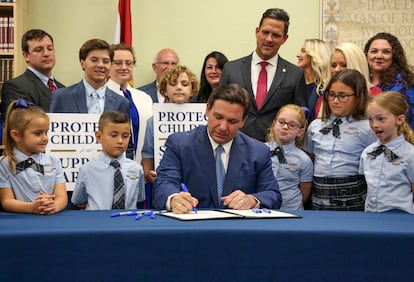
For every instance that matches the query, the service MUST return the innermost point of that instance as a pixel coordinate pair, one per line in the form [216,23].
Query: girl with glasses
[336,142]
[292,168]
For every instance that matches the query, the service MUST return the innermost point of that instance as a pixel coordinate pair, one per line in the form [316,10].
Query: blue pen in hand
[185,189]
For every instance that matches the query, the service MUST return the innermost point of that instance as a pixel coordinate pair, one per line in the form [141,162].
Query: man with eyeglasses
[164,60]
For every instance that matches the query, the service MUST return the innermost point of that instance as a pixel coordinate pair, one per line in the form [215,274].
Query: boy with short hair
[99,185]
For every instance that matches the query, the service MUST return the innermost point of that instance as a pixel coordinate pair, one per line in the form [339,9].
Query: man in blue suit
[189,158]
[285,81]
[91,95]
[165,59]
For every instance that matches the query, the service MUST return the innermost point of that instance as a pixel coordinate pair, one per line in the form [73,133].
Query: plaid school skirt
[339,193]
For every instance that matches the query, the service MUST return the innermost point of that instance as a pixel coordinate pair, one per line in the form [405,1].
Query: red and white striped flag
[123,28]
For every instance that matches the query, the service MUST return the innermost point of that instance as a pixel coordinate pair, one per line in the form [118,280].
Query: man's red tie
[51,85]
[261,85]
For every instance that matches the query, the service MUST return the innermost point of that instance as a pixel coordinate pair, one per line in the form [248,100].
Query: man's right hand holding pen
[183,202]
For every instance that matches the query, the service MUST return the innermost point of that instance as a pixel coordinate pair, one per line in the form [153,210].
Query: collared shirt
[338,157]
[226,148]
[28,184]
[389,183]
[90,90]
[256,68]
[41,76]
[298,168]
[95,183]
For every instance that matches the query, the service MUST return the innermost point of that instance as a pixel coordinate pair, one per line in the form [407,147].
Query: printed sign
[171,118]
[72,140]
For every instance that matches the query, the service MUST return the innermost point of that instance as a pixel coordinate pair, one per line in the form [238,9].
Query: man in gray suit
[32,85]
[285,82]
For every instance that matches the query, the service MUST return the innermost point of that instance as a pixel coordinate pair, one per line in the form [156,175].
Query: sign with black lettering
[72,140]
[170,118]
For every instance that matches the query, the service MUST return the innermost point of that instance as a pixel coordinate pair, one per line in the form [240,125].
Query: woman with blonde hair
[314,59]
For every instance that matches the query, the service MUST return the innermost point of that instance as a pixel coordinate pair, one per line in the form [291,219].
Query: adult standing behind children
[164,60]
[389,69]
[30,180]
[271,81]
[221,166]
[37,83]
[140,103]
[111,181]
[210,75]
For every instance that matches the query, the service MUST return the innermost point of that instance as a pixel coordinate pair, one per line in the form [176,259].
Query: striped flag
[123,28]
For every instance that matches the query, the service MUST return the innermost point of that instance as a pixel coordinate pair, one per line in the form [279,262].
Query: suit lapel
[206,161]
[109,100]
[280,75]
[80,98]
[38,84]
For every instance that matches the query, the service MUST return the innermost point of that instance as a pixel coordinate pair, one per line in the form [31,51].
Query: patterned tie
[261,85]
[220,173]
[383,149]
[95,105]
[134,117]
[51,85]
[119,187]
[29,163]
[334,126]
[279,153]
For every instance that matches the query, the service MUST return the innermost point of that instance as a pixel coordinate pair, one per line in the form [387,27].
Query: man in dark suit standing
[221,166]
[37,83]
[164,60]
[264,72]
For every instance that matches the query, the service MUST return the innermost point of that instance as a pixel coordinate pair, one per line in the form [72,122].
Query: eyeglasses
[342,97]
[167,63]
[291,125]
[119,63]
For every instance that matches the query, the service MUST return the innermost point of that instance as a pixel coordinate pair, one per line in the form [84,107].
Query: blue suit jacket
[151,90]
[189,159]
[72,99]
[288,86]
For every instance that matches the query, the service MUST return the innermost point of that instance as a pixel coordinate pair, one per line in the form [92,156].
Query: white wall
[192,27]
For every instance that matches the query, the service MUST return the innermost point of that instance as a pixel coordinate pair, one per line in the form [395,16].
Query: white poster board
[170,118]
[72,140]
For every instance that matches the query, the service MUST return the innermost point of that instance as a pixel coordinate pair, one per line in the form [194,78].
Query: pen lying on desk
[185,189]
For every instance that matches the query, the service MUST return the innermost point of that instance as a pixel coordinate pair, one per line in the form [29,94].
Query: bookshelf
[13,23]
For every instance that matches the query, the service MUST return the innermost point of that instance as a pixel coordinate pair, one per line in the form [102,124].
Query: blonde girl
[388,163]
[292,167]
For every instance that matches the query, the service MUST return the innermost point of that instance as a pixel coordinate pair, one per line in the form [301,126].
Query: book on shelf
[6,34]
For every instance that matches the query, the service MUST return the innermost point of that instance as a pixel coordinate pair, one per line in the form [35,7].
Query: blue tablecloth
[320,246]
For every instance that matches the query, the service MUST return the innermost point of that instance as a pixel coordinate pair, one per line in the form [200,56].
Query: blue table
[320,246]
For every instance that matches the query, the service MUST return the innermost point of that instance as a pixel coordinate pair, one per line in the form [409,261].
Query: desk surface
[320,246]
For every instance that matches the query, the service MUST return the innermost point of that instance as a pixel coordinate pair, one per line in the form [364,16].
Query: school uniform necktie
[51,85]
[119,187]
[383,149]
[278,151]
[29,163]
[134,117]
[334,126]
[261,85]
[220,173]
